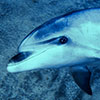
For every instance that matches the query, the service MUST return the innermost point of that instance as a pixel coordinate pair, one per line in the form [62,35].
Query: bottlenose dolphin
[71,40]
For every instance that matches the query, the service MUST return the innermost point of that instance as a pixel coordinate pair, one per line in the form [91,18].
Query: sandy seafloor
[17,19]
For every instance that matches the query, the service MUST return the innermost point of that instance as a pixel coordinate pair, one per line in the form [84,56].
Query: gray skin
[70,40]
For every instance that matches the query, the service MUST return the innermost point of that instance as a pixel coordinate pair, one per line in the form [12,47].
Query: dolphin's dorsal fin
[81,75]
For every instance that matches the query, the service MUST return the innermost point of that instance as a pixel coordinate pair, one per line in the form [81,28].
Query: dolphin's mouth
[20,57]
[25,55]
[23,60]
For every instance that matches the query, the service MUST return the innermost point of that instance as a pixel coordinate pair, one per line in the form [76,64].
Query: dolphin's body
[69,40]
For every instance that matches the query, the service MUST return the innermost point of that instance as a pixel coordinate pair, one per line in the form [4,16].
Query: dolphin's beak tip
[16,59]
[10,66]
[9,69]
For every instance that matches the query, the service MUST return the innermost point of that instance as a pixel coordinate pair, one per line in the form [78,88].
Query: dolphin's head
[57,43]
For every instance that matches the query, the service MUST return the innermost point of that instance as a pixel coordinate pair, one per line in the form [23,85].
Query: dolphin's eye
[63,40]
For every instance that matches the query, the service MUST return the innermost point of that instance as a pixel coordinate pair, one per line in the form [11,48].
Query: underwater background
[17,19]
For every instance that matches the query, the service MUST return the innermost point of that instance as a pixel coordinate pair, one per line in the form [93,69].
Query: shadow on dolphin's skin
[71,40]
[21,56]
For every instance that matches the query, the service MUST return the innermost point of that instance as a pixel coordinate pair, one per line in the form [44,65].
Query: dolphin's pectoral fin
[81,75]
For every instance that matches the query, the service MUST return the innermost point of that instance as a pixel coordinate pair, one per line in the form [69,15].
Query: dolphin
[70,40]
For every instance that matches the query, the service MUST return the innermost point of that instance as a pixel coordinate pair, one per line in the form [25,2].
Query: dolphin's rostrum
[71,40]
